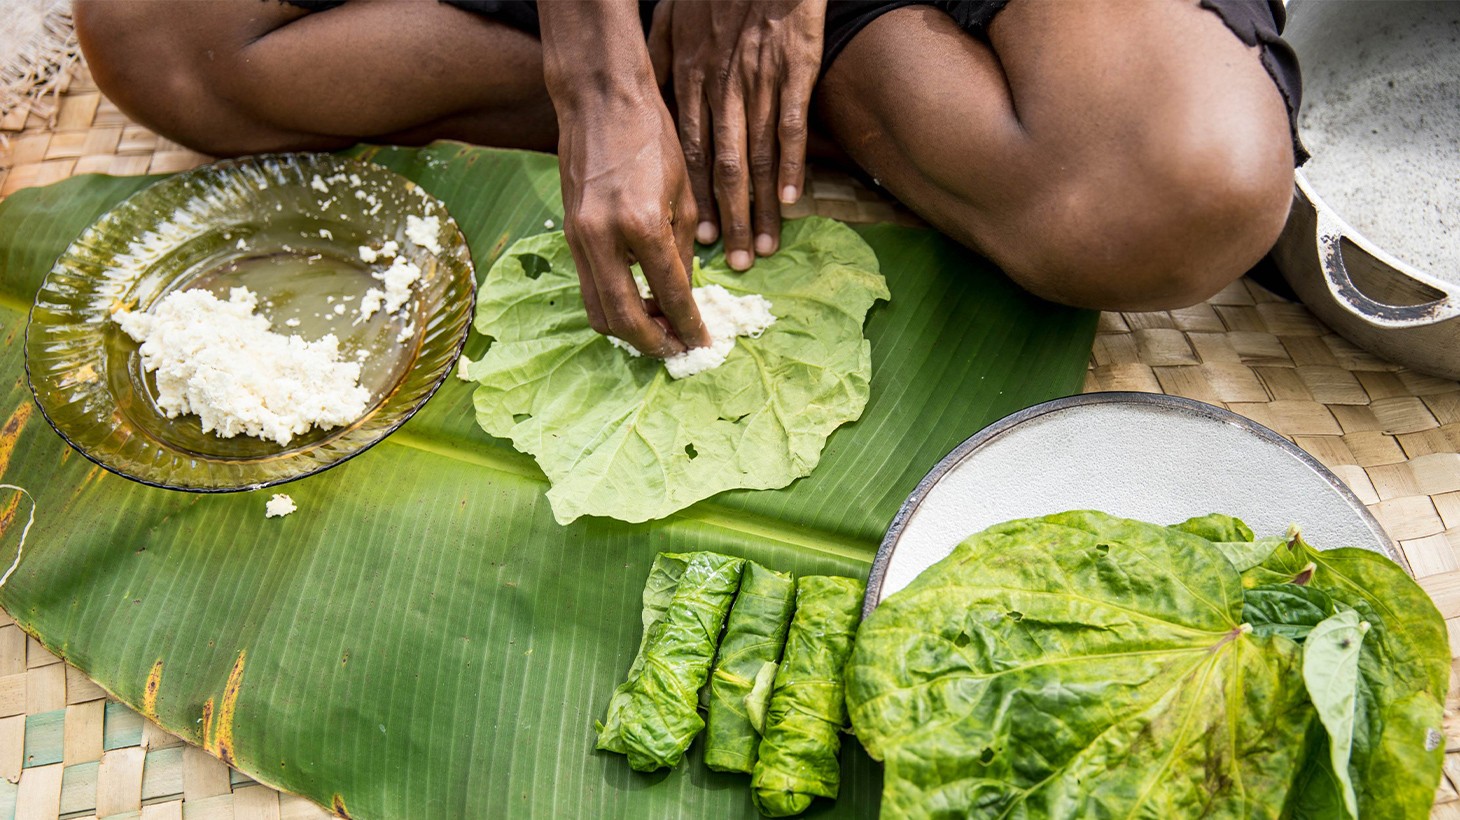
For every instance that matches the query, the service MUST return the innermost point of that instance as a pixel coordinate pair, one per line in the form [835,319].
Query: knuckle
[728,169]
[762,163]
[793,125]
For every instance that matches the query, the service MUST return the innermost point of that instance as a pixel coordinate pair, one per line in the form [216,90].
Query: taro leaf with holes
[421,637]
[619,437]
[754,636]
[1077,665]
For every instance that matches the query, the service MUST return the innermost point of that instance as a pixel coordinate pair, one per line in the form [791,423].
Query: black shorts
[1256,23]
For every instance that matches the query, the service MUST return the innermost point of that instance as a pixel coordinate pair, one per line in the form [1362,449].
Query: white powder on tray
[1383,126]
[726,316]
[220,361]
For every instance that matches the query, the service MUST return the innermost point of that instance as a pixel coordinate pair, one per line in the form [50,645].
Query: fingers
[661,49]
[792,131]
[664,268]
[763,166]
[603,271]
[732,183]
[685,228]
[695,140]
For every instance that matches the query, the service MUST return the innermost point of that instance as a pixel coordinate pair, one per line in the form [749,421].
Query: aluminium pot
[1400,142]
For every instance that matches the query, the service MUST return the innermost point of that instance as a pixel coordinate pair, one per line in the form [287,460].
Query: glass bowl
[290,228]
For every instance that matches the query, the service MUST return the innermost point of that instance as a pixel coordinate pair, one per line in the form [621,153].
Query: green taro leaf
[422,638]
[1331,673]
[1216,527]
[664,577]
[654,715]
[618,437]
[803,723]
[1404,671]
[1289,610]
[759,699]
[755,632]
[1077,665]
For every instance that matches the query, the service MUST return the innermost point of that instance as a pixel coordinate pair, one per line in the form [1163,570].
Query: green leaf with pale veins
[755,632]
[1331,673]
[618,437]
[654,715]
[1078,665]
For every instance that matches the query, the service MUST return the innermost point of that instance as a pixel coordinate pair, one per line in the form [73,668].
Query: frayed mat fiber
[37,50]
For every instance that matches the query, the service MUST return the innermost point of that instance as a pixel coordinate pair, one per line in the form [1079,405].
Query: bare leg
[241,76]
[1117,155]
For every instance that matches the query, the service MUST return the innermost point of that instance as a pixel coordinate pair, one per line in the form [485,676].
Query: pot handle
[1350,298]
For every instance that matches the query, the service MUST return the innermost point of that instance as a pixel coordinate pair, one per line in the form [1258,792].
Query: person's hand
[626,195]
[743,71]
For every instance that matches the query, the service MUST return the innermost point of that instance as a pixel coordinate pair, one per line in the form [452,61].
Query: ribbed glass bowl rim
[361,436]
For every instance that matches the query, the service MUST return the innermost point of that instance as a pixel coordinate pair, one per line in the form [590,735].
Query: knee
[158,67]
[1160,231]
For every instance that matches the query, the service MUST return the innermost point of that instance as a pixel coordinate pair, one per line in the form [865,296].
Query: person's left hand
[743,71]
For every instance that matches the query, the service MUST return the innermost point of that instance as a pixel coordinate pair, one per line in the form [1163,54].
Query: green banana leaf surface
[422,639]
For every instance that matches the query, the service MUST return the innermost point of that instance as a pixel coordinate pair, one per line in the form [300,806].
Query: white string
[23,533]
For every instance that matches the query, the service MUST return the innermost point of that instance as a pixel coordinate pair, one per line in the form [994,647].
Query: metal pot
[1401,53]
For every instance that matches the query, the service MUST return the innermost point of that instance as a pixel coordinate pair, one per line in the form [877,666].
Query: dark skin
[1114,154]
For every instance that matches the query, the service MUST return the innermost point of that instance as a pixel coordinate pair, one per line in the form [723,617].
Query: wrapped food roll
[653,715]
[798,752]
[754,636]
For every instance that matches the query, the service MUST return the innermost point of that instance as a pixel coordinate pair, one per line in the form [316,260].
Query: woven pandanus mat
[1392,434]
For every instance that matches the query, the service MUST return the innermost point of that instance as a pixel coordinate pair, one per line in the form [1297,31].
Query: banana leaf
[422,639]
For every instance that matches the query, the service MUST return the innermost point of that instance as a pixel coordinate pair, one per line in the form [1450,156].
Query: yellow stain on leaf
[338,804]
[208,725]
[11,432]
[149,694]
[221,742]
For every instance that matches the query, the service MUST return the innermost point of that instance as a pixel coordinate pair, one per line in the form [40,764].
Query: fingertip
[765,244]
[790,194]
[739,260]
[706,233]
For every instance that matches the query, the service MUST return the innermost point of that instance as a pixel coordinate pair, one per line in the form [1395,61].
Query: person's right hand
[626,197]
[626,194]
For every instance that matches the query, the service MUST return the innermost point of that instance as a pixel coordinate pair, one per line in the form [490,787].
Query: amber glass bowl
[289,227]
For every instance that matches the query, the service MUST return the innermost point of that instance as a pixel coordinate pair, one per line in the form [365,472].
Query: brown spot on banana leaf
[149,692]
[497,248]
[11,432]
[338,805]
[7,513]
